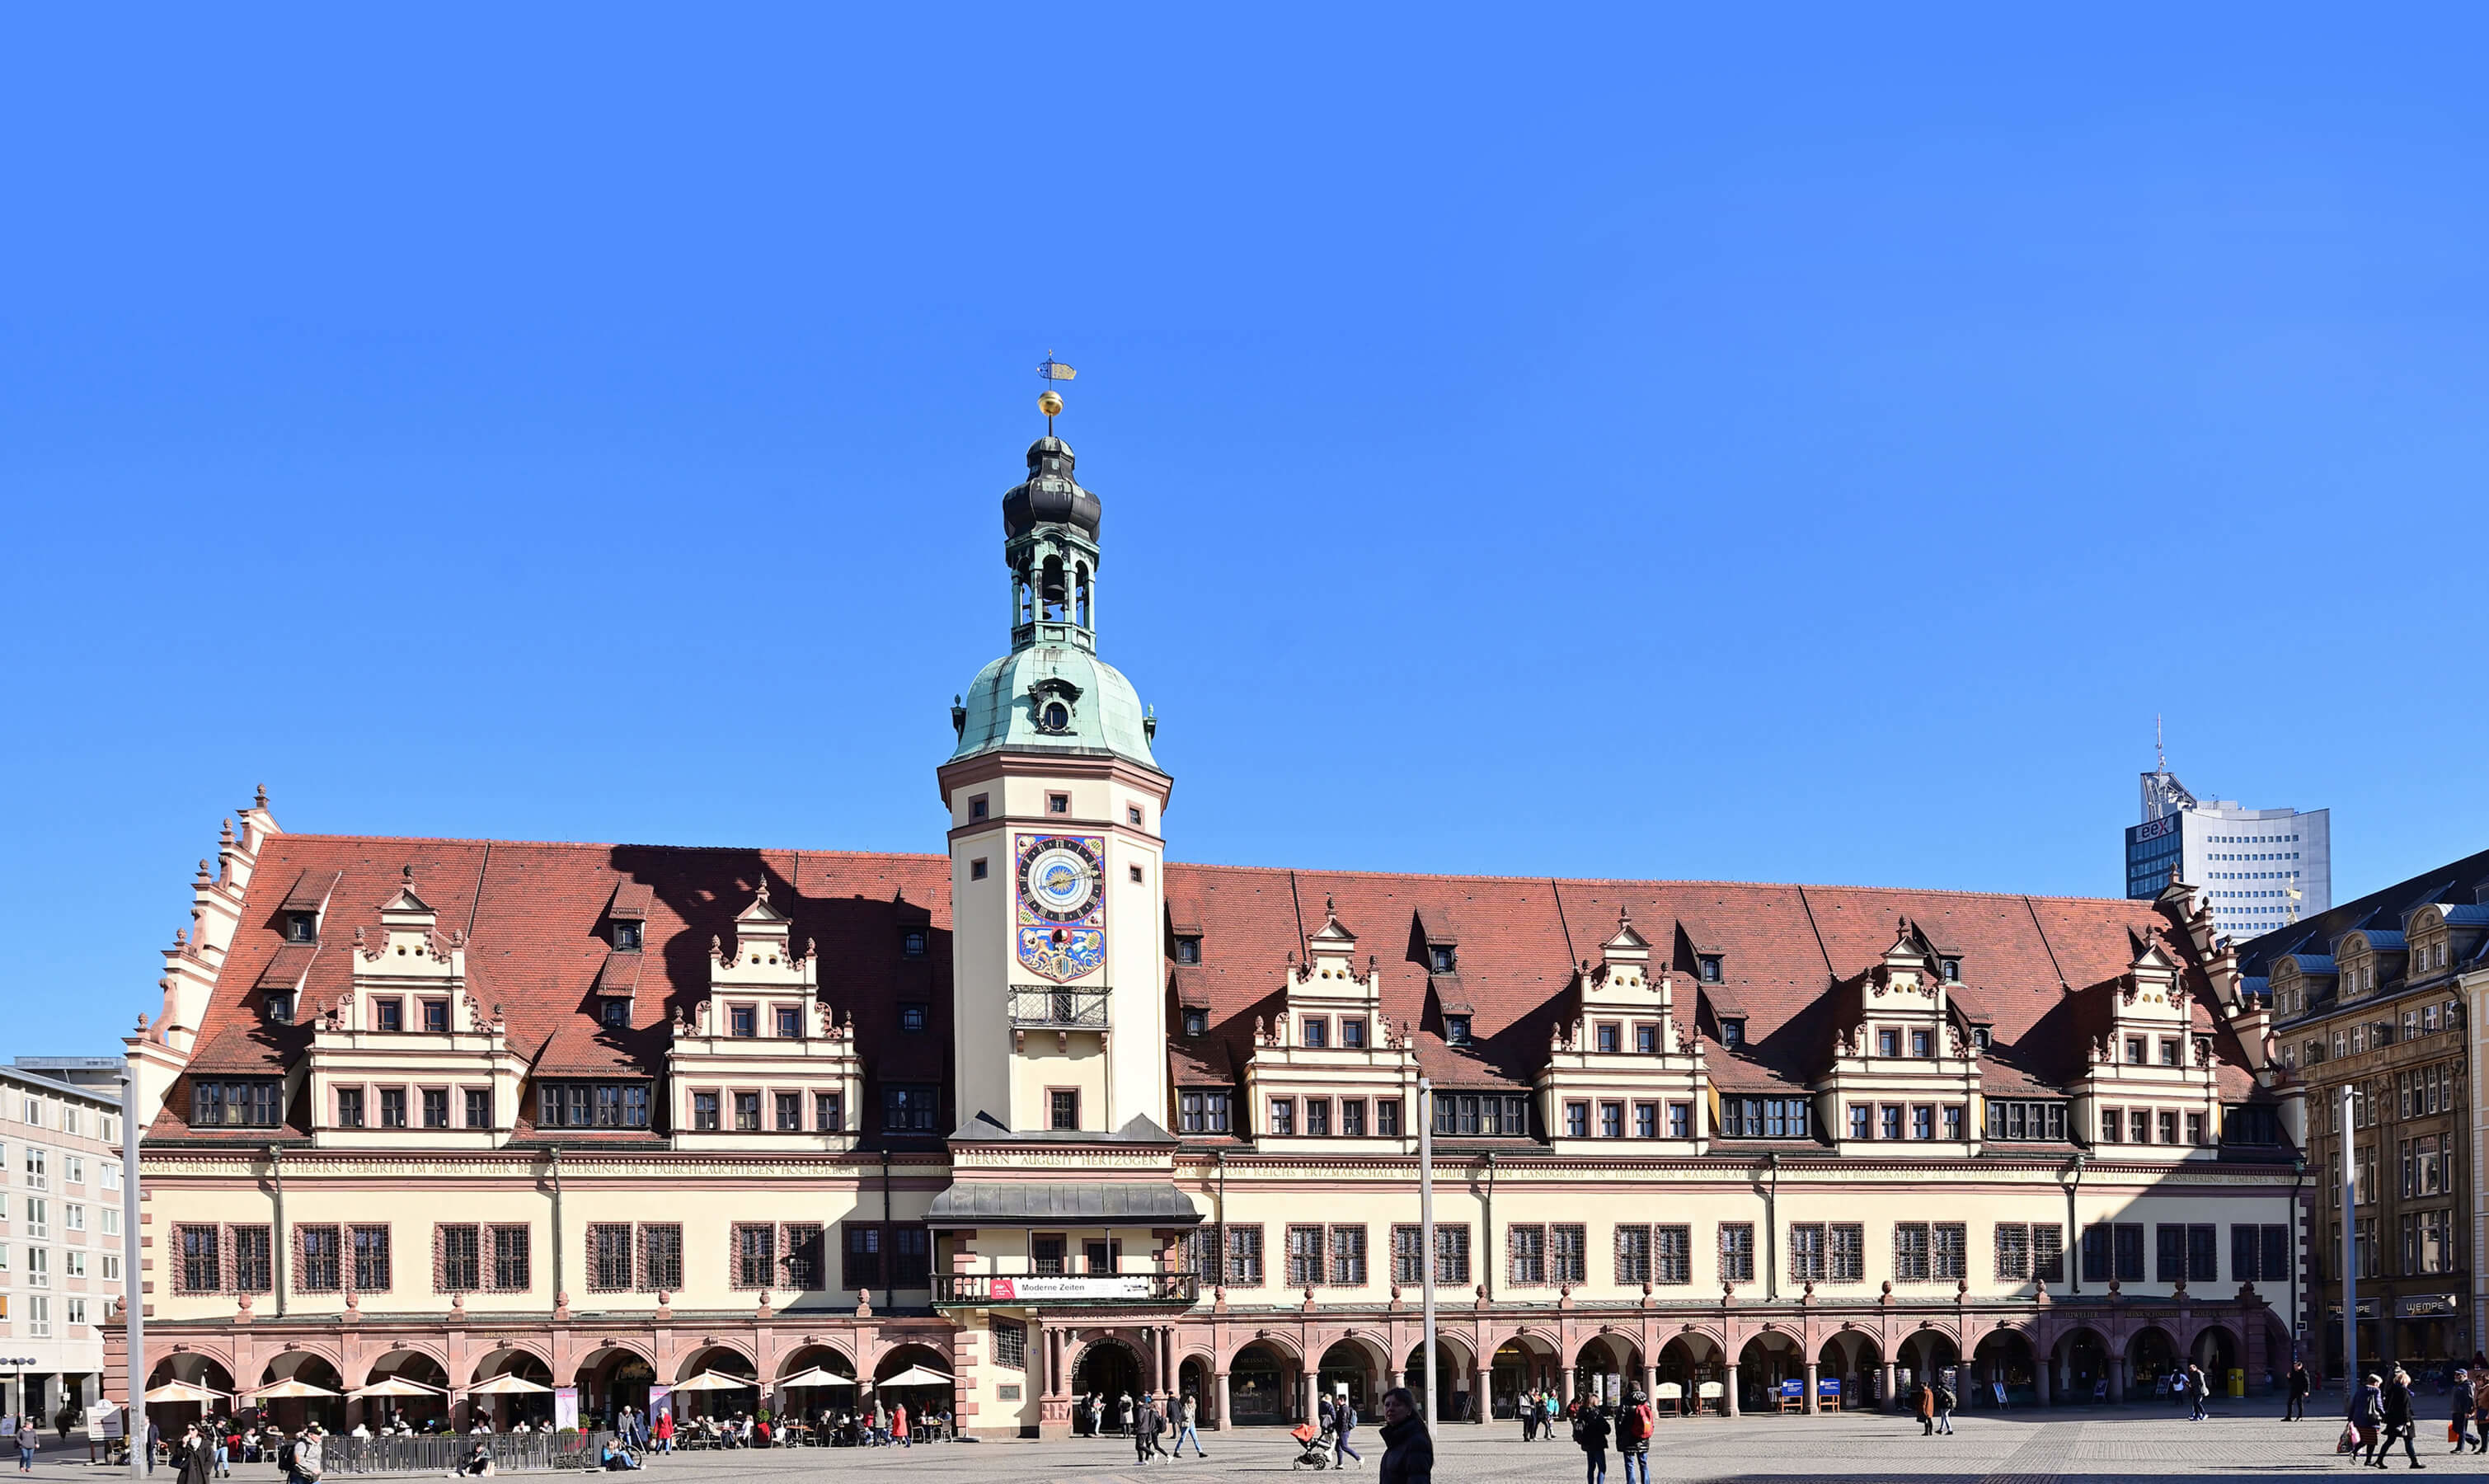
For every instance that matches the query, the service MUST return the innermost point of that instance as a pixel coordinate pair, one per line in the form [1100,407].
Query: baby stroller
[1310,1441]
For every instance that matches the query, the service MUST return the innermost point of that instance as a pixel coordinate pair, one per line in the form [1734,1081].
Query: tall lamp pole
[2349,1251]
[133,1322]
[1427,1231]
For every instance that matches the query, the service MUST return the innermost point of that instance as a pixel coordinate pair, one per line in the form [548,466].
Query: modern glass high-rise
[2248,861]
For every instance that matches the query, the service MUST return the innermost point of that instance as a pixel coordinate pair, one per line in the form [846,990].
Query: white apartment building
[59,1233]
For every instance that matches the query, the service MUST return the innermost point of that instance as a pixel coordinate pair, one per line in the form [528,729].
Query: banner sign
[660,1399]
[565,1407]
[1036,1288]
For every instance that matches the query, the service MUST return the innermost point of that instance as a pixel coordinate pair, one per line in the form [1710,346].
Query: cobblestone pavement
[2101,1447]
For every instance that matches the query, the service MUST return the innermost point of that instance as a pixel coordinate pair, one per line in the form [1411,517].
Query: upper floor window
[742,1020]
[1706,967]
[911,1018]
[911,1108]
[1923,1044]
[436,1015]
[1442,958]
[1187,950]
[1317,1032]
[627,935]
[2135,1050]
[1733,1030]
[1131,814]
[1456,1029]
[616,1014]
[977,808]
[280,1008]
[1058,802]
[302,927]
[388,1014]
[593,1105]
[242,1104]
[2169,1052]
[1766,1118]
[1609,1037]
[1949,970]
[1196,1022]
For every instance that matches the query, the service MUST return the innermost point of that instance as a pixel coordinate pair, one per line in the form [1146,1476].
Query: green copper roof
[1006,707]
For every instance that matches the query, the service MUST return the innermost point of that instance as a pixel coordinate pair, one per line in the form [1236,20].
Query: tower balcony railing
[1045,1006]
[1178,1290]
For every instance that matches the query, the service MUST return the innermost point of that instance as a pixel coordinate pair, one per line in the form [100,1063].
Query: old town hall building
[570,1125]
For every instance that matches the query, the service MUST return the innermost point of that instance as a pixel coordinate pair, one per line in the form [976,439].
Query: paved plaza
[2027,1448]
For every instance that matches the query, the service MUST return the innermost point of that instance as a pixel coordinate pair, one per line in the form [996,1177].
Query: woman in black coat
[1408,1453]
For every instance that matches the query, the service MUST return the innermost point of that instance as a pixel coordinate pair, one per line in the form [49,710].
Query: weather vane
[1050,401]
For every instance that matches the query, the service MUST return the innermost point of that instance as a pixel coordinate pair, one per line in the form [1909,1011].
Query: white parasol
[288,1390]
[712,1380]
[395,1386]
[507,1384]
[184,1391]
[815,1377]
[915,1376]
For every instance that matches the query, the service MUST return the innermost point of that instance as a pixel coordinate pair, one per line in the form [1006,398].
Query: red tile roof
[536,918]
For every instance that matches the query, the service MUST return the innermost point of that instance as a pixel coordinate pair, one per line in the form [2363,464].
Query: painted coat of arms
[1062,922]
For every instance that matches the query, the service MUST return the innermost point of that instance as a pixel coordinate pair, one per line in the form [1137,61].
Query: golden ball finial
[1050,402]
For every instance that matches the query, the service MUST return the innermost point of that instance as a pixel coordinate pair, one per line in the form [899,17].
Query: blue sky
[1634,443]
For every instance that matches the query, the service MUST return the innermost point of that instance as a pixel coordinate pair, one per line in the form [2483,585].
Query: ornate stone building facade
[1047,1113]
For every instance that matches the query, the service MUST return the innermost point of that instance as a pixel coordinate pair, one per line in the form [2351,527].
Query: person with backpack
[1945,1403]
[1591,1435]
[1343,1422]
[1635,1425]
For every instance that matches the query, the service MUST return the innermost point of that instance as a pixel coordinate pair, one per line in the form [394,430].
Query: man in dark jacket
[1408,1453]
[2296,1409]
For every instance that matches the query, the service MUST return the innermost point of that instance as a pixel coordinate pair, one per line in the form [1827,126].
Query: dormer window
[1187,950]
[1456,1029]
[1054,717]
[1442,958]
[616,1014]
[1732,1028]
[301,927]
[912,943]
[1706,967]
[1196,1022]
[1979,1037]
[1949,970]
[627,937]
[281,1008]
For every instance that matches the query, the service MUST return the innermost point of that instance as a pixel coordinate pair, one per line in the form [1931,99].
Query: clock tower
[1055,801]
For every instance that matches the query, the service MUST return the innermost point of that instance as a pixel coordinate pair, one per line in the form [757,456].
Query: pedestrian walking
[1408,1453]
[1548,1408]
[1529,1409]
[1344,1419]
[309,1460]
[1927,1406]
[1143,1416]
[2365,1414]
[1192,1414]
[2458,1430]
[1946,1401]
[1635,1425]
[1124,1414]
[2295,1407]
[1591,1435]
[26,1441]
[2479,1383]
[2395,1399]
[2195,1385]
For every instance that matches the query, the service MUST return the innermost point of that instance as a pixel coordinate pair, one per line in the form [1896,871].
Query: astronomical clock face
[1062,926]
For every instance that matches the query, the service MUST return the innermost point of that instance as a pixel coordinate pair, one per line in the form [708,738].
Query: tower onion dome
[1049,497]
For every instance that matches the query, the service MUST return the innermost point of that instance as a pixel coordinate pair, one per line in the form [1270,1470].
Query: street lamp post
[1427,1231]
